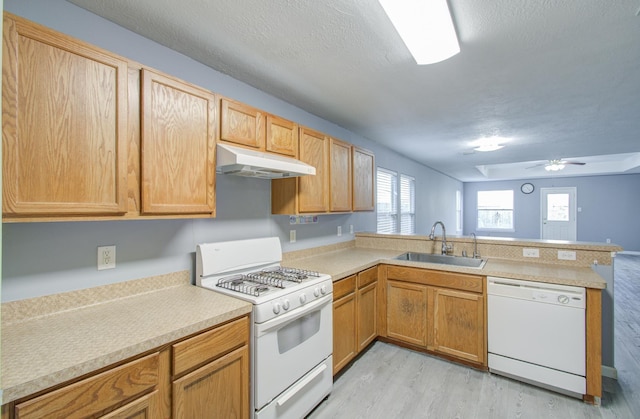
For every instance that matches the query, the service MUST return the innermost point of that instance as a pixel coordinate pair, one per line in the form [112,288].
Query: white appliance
[252,163]
[292,323]
[536,333]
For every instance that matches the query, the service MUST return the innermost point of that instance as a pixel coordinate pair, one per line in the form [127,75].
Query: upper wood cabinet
[178,146]
[340,175]
[64,124]
[363,179]
[246,126]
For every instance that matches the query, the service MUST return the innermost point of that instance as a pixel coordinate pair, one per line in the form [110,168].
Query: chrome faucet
[445,248]
[476,255]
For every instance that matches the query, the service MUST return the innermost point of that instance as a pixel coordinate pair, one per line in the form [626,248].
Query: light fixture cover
[489,143]
[426,28]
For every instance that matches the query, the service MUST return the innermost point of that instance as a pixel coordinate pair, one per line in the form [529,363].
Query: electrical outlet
[339,231]
[106,257]
[351,229]
[292,236]
[530,253]
[566,255]
[608,240]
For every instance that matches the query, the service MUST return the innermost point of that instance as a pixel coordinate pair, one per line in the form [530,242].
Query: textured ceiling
[559,78]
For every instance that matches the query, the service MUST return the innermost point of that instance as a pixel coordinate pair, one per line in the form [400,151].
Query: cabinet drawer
[96,394]
[344,287]
[207,346]
[460,281]
[367,276]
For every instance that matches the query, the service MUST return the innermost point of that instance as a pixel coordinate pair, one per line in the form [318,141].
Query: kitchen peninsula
[590,267]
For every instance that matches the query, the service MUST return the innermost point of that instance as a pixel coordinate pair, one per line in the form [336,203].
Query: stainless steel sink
[443,259]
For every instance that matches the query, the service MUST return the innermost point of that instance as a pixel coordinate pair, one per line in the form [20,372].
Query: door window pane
[558,207]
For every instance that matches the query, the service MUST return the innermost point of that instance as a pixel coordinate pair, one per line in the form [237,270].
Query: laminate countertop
[345,262]
[49,340]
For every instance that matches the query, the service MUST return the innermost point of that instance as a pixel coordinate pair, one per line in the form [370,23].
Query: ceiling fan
[556,164]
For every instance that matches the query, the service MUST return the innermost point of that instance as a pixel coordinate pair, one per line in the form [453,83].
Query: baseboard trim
[610,372]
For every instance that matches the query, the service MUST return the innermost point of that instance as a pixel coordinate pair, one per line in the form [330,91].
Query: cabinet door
[344,331]
[367,315]
[142,408]
[219,389]
[407,312]
[282,136]
[241,124]
[340,175]
[363,179]
[313,191]
[64,124]
[459,324]
[178,146]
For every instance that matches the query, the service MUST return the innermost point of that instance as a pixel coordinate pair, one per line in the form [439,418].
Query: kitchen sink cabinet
[205,375]
[458,324]
[363,179]
[64,125]
[440,312]
[354,316]
[340,176]
[249,127]
[178,146]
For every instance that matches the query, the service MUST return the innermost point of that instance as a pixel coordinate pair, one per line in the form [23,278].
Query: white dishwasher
[536,333]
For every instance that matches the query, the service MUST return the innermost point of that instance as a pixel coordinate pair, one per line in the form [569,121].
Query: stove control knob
[276,308]
[285,304]
[303,298]
[323,289]
[316,292]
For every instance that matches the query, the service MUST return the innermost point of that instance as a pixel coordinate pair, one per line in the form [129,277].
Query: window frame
[510,229]
[394,193]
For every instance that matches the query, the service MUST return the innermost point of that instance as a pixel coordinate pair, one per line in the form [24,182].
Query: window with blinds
[407,205]
[395,202]
[495,210]
[387,201]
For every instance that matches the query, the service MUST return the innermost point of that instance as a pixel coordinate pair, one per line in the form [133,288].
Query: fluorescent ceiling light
[426,28]
[489,144]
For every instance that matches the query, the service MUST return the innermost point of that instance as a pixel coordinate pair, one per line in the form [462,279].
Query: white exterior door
[558,213]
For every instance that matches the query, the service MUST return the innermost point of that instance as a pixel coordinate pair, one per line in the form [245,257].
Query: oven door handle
[269,326]
[301,384]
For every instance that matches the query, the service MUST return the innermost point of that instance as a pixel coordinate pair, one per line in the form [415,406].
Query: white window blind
[495,210]
[407,204]
[387,198]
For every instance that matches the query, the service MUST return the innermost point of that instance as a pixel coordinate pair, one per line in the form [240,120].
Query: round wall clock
[527,188]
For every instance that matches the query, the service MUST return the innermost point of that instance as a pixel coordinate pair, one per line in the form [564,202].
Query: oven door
[289,346]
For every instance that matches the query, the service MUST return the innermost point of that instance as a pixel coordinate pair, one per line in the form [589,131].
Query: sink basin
[443,259]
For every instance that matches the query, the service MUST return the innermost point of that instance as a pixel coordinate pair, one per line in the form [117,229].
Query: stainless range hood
[238,161]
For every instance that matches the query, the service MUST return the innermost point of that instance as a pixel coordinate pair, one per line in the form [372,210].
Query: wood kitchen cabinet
[135,386]
[340,176]
[206,375]
[354,316]
[211,373]
[305,194]
[441,312]
[178,146]
[64,124]
[246,126]
[363,179]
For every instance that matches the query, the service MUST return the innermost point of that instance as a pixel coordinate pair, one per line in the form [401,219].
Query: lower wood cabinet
[355,312]
[441,312]
[206,375]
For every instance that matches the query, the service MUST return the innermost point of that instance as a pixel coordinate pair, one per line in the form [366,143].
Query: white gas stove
[292,322]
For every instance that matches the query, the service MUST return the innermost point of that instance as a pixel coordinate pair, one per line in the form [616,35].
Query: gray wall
[609,207]
[46,258]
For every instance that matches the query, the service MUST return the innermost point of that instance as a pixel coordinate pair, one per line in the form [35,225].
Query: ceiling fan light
[426,28]
[553,167]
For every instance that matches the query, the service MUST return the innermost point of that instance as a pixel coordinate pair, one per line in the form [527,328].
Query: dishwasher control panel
[541,292]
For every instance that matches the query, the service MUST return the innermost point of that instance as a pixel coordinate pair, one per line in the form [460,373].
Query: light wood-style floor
[392,382]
